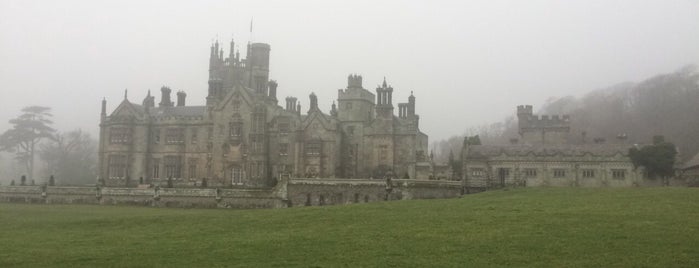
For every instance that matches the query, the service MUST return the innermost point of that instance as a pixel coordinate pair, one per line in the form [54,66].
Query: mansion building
[243,137]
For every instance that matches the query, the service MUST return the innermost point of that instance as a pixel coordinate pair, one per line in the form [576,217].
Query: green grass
[635,227]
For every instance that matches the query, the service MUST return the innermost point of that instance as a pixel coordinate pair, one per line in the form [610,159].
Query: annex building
[246,136]
[544,155]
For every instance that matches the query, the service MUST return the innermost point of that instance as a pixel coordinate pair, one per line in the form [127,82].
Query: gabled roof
[140,110]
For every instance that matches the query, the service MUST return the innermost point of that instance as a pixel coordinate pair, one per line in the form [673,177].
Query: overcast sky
[468,62]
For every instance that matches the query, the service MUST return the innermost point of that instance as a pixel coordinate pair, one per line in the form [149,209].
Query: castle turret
[542,129]
[165,99]
[180,98]
[355,103]
[258,66]
[524,113]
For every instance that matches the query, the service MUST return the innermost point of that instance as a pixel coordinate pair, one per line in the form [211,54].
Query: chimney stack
[165,99]
[180,98]
[272,89]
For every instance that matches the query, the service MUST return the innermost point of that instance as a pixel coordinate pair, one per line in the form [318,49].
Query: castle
[243,138]
[545,156]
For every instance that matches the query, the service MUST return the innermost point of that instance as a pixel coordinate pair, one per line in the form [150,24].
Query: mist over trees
[71,157]
[32,145]
[666,104]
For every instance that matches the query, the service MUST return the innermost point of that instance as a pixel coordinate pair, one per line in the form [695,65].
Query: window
[192,168]
[156,136]
[156,168]
[173,167]
[559,173]
[618,173]
[195,136]
[313,148]
[477,172]
[174,136]
[117,166]
[588,173]
[255,170]
[235,129]
[256,145]
[236,176]
[283,149]
[348,106]
[258,123]
[119,135]
[530,172]
[210,133]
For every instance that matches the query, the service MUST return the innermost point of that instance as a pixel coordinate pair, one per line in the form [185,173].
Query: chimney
[314,102]
[272,89]
[180,98]
[104,106]
[165,98]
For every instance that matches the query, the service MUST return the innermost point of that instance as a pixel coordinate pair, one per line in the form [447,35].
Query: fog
[468,62]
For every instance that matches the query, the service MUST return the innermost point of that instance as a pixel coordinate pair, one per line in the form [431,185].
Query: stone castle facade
[544,156]
[242,137]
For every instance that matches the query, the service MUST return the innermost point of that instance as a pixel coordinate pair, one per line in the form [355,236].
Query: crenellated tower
[355,104]
[543,129]
[251,72]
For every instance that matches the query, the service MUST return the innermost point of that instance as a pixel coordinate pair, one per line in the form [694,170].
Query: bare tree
[71,157]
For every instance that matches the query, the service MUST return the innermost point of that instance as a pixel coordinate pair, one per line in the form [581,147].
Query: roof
[475,151]
[172,111]
[178,111]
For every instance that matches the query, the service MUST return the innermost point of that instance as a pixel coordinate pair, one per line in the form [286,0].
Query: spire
[384,82]
[126,94]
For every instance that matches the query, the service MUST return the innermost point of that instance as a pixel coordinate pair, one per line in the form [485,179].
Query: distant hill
[666,104]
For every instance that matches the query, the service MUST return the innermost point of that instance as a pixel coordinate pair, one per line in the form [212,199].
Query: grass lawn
[634,227]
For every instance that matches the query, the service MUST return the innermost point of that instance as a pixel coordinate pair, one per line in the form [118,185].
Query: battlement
[524,109]
[354,81]
[546,121]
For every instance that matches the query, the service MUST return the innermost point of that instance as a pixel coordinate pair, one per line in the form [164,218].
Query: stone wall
[289,192]
[315,192]
[156,197]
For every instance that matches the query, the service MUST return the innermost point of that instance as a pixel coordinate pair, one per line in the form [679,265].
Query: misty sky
[468,62]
